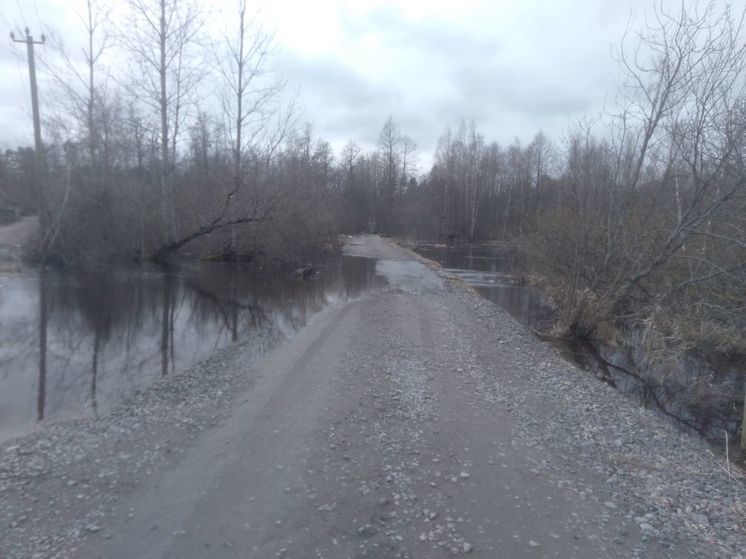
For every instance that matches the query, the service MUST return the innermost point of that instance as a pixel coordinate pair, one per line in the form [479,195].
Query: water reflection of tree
[167,321]
[95,307]
[229,304]
[95,328]
[41,397]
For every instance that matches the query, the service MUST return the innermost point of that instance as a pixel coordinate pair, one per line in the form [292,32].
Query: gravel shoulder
[417,421]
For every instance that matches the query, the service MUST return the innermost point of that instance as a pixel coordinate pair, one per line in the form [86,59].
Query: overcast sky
[515,67]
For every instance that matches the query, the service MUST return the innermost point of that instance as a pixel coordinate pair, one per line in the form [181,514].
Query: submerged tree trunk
[166,322]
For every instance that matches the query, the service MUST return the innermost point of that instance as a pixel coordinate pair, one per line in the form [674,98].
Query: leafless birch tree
[161,36]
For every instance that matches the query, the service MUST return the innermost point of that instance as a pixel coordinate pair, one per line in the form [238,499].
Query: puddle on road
[76,343]
[410,276]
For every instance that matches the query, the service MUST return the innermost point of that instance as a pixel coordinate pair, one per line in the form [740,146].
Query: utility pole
[41,199]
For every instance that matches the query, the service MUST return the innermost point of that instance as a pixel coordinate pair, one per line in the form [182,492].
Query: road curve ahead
[418,421]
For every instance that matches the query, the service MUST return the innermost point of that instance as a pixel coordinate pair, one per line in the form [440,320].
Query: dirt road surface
[417,421]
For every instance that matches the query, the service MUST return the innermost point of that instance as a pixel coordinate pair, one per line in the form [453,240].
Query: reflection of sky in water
[489,271]
[112,332]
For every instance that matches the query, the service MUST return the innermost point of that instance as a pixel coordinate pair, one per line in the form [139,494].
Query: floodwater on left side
[74,343]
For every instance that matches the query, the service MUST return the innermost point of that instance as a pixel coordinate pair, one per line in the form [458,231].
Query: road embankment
[418,420]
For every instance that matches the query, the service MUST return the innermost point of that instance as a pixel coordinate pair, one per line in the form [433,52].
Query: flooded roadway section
[492,272]
[75,343]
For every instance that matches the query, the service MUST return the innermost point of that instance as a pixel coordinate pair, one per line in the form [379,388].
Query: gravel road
[418,421]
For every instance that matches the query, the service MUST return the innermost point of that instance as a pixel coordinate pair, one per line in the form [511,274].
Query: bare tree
[160,35]
[542,156]
[389,147]
[250,90]
[685,98]
[409,159]
[81,84]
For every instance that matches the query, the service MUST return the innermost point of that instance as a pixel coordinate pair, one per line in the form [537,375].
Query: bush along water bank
[691,379]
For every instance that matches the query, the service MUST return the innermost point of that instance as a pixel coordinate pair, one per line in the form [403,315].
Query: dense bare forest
[634,218]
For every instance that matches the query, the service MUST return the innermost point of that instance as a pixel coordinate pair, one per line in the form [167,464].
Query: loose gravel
[669,483]
[57,485]
[405,483]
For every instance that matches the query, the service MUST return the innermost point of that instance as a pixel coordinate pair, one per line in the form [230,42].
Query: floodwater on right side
[692,391]
[493,272]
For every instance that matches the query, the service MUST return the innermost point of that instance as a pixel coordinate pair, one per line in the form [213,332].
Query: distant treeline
[636,216]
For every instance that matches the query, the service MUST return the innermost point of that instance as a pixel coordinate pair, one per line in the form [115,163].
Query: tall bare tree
[251,91]
[685,98]
[389,148]
[161,36]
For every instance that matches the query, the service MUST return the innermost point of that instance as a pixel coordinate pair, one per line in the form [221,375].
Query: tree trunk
[507,211]
[162,253]
[164,167]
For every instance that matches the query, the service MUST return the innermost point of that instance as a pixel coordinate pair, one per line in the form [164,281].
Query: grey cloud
[345,104]
[433,38]
[16,128]
[542,70]
[337,98]
[329,78]
[517,90]
[462,74]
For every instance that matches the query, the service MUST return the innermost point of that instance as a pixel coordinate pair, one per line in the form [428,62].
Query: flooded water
[492,272]
[696,394]
[74,343]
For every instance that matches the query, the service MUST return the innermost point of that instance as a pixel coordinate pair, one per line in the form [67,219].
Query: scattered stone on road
[418,421]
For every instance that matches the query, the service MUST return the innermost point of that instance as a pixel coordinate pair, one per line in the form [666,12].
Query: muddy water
[693,392]
[76,343]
